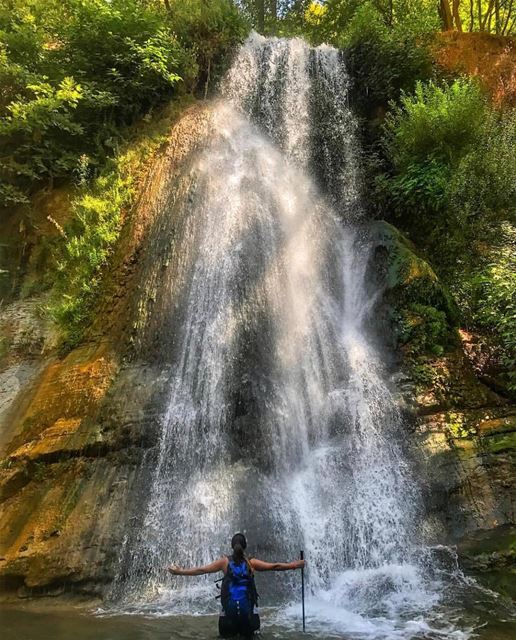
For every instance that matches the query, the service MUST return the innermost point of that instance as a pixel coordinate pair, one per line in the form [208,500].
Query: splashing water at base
[278,419]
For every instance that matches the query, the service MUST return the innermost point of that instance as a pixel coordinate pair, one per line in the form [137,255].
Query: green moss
[423,313]
[422,329]
[411,278]
[500,443]
[4,346]
[70,501]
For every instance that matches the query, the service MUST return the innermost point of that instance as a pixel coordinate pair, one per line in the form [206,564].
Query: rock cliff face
[465,422]
[468,438]
[74,428]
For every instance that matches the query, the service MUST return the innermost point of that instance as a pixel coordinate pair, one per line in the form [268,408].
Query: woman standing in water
[238,592]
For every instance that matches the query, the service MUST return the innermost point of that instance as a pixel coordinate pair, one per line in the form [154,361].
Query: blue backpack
[238,591]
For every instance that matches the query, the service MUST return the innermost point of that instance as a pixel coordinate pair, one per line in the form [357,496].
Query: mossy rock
[422,312]
[500,442]
[491,556]
[410,279]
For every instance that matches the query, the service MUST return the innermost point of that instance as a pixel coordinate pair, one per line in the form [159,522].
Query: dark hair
[238,544]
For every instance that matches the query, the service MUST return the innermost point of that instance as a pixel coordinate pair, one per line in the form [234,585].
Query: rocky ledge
[74,427]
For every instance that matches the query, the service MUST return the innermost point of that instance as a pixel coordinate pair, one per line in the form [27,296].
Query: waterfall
[279,420]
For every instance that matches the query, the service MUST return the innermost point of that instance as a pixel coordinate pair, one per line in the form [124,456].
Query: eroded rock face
[465,422]
[74,428]
[490,555]
[469,469]
[489,57]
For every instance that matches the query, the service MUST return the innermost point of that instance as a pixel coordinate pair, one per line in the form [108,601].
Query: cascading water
[278,418]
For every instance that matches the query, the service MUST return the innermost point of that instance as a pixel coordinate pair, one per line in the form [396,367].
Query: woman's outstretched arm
[213,567]
[260,565]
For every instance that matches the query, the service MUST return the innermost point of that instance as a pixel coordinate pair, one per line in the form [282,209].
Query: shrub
[427,137]
[86,244]
[451,187]
[74,73]
[483,184]
[38,134]
[436,121]
[452,161]
[492,291]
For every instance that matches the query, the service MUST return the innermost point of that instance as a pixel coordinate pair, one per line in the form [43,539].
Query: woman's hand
[175,570]
[299,564]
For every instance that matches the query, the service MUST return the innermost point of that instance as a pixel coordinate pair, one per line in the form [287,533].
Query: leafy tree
[211,30]
[74,73]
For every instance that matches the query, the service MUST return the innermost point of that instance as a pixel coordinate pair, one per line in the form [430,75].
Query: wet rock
[491,556]
[470,456]
[75,427]
[465,429]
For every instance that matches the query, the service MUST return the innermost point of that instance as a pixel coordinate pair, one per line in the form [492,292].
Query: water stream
[279,419]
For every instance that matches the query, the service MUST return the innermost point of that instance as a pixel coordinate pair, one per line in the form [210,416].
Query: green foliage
[492,289]
[421,186]
[483,185]
[340,20]
[211,29]
[447,151]
[87,242]
[375,59]
[322,19]
[488,17]
[73,73]
[500,443]
[37,133]
[422,329]
[457,426]
[96,225]
[451,186]
[383,60]
[425,137]
[436,121]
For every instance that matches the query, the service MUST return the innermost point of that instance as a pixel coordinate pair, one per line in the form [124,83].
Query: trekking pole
[302,557]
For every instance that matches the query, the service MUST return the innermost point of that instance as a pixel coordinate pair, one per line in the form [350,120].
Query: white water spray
[279,420]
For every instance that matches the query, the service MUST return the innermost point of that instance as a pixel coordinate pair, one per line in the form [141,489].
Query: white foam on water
[387,603]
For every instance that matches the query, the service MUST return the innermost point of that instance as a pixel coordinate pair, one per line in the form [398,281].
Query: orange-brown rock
[492,58]
[74,427]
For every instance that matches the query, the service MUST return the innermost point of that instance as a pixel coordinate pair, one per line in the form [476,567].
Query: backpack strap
[249,566]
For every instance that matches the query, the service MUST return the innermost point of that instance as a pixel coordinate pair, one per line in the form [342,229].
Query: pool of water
[477,614]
